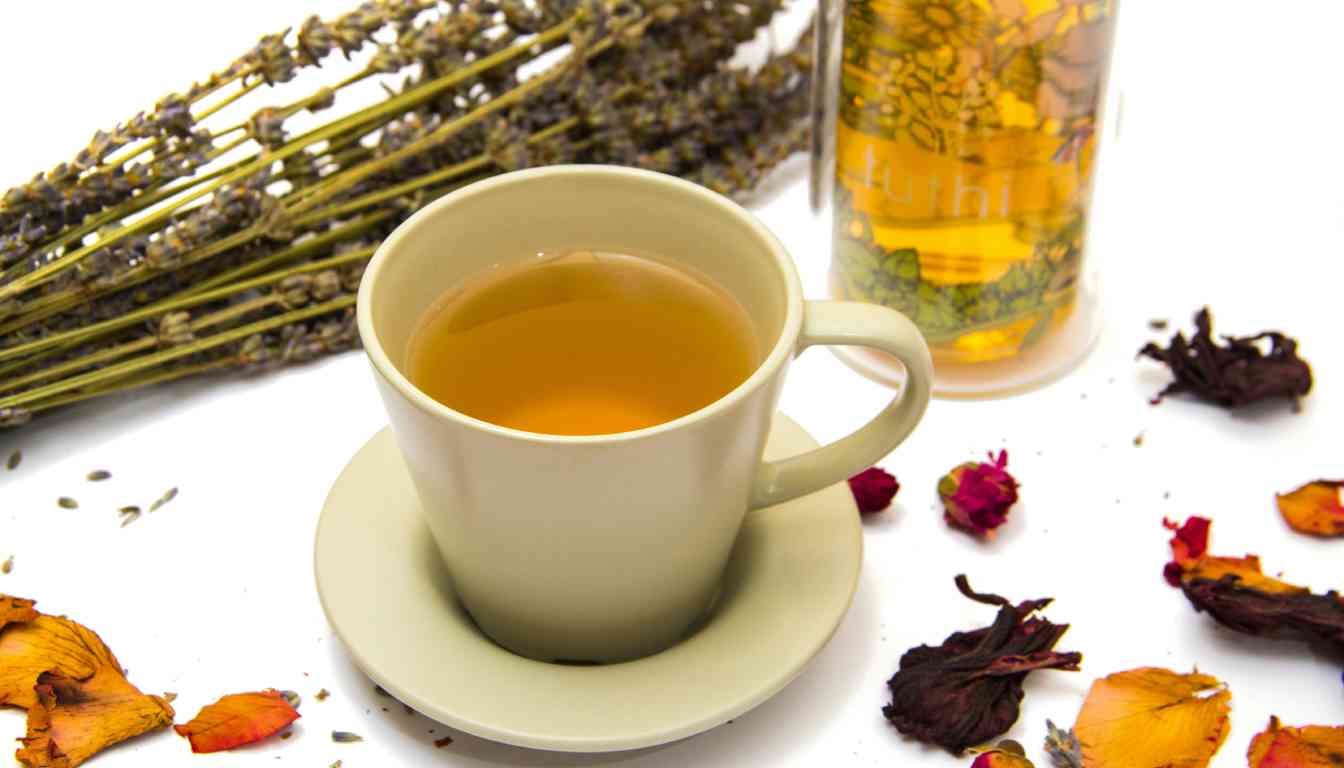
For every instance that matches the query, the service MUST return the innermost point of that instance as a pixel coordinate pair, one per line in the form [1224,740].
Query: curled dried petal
[1235,373]
[968,690]
[78,700]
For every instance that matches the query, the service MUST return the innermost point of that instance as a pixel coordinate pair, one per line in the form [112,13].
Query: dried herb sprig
[232,267]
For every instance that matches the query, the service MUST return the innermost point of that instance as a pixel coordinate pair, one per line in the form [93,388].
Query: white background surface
[1222,188]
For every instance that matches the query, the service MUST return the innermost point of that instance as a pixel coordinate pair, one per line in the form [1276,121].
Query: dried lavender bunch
[254,263]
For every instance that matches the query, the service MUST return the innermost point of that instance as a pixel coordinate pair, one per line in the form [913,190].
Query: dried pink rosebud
[977,495]
[873,489]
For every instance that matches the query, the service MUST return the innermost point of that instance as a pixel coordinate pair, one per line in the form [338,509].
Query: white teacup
[608,547]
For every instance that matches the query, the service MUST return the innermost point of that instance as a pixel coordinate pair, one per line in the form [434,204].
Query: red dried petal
[977,496]
[238,719]
[1189,544]
[873,489]
[1312,746]
[1002,757]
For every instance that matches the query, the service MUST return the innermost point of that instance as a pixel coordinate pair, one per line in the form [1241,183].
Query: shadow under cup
[586,548]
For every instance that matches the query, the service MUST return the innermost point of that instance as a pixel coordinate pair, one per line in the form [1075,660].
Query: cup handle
[860,324]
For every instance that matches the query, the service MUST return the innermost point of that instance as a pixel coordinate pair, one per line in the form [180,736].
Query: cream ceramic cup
[609,547]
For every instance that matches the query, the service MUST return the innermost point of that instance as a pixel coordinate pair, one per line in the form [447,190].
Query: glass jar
[955,143]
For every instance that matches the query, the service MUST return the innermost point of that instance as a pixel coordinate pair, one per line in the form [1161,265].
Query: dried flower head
[968,690]
[873,489]
[978,495]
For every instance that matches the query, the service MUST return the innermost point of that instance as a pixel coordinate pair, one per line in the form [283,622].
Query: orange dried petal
[75,719]
[1246,569]
[15,609]
[1315,508]
[1153,717]
[238,719]
[1313,746]
[77,698]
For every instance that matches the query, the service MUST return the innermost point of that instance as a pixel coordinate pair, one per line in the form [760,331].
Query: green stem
[173,304]
[132,382]
[57,303]
[394,105]
[289,254]
[463,168]
[151,143]
[146,199]
[389,193]
[139,345]
[335,183]
[176,352]
[245,89]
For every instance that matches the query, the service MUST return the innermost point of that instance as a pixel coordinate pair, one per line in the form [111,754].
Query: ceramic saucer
[388,597]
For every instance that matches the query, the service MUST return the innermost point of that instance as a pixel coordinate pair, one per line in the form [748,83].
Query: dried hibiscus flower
[1151,717]
[1312,746]
[238,719]
[1314,508]
[1238,595]
[968,690]
[78,700]
[873,489]
[1234,374]
[977,495]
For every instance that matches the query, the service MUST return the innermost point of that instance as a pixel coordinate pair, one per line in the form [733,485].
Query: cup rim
[781,350]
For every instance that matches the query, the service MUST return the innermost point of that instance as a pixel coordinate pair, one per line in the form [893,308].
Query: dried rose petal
[977,495]
[1189,543]
[1312,746]
[238,719]
[873,489]
[1152,716]
[1315,508]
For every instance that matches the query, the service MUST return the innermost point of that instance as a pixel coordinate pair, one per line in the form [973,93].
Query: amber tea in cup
[583,343]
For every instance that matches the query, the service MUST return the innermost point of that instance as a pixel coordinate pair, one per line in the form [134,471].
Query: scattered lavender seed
[169,697]
[14,459]
[292,698]
[322,695]
[168,496]
[98,475]
[441,743]
[65,502]
[129,515]
[7,566]
[1138,439]
[1158,324]
[345,737]
[286,735]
